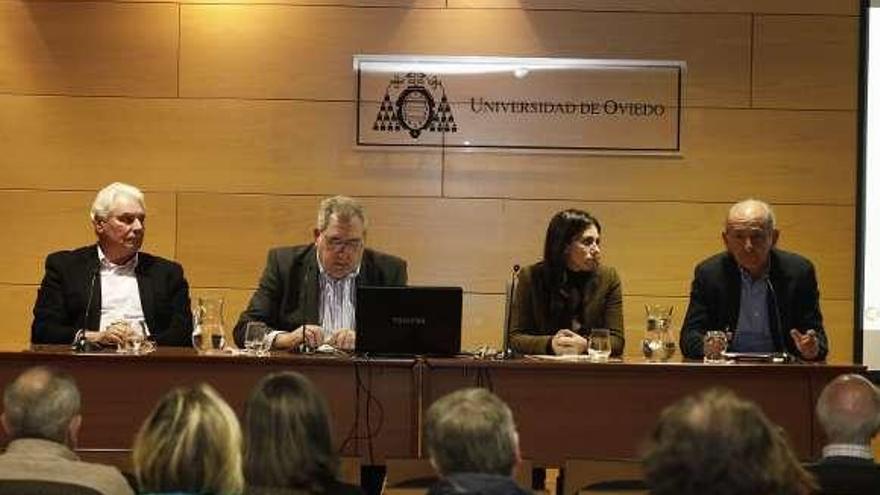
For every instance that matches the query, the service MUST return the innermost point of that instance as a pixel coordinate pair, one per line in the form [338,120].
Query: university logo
[411,104]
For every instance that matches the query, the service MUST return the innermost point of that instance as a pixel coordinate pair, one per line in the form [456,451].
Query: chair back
[603,476]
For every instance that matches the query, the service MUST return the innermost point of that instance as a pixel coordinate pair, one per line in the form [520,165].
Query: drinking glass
[600,345]
[255,338]
[714,344]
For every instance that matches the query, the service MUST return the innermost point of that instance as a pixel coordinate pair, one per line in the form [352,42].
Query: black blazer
[846,476]
[59,310]
[287,295]
[714,302]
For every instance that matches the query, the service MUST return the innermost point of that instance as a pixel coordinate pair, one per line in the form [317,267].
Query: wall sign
[540,104]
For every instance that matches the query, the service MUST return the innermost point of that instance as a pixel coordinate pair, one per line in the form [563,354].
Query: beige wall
[236,118]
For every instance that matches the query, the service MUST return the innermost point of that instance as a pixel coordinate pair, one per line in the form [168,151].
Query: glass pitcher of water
[658,344]
[208,335]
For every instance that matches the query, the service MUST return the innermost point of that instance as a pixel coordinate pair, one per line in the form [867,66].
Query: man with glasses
[306,295]
[768,299]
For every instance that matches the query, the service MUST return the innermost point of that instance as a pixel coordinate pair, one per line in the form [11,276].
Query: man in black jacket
[306,294]
[96,292]
[768,299]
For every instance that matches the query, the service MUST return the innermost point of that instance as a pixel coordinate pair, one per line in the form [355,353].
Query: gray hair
[41,403]
[343,207]
[106,198]
[471,430]
[768,217]
[849,410]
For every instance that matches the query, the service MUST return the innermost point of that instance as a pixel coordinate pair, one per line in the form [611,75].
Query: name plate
[539,104]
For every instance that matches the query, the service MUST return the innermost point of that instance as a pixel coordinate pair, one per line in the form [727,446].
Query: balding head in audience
[849,410]
[717,443]
[472,431]
[42,403]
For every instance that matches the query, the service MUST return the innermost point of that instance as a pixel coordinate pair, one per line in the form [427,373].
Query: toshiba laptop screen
[408,320]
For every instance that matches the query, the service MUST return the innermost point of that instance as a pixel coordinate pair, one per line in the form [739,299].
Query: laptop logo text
[408,321]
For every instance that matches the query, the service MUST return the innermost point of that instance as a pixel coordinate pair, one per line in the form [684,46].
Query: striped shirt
[337,301]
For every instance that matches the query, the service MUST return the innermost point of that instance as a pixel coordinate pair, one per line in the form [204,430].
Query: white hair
[107,198]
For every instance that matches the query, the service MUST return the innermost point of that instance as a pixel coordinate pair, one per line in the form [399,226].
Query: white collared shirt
[847,450]
[120,298]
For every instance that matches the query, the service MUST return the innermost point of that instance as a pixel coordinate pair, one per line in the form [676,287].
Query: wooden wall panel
[838,317]
[89,48]
[225,145]
[37,223]
[482,322]
[414,4]
[838,7]
[16,303]
[267,51]
[806,62]
[729,154]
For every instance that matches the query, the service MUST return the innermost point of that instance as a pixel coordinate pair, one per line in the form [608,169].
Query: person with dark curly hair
[718,443]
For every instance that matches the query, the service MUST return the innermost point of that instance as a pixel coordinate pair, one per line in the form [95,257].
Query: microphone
[81,344]
[506,351]
[780,331]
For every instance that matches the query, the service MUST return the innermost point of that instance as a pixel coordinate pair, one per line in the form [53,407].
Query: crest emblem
[411,104]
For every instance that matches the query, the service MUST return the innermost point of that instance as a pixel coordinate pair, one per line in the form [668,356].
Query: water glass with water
[255,342]
[714,345]
[600,345]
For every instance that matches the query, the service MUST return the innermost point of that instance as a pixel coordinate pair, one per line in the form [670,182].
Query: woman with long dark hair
[561,299]
[287,447]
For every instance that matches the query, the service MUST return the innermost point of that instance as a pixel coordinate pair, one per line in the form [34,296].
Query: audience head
[471,431]
[190,442]
[287,436]
[42,403]
[849,410]
[340,235]
[717,443]
[750,233]
[118,216]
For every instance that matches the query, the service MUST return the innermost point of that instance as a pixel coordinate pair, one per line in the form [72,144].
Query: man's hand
[310,334]
[343,339]
[807,343]
[567,342]
[113,335]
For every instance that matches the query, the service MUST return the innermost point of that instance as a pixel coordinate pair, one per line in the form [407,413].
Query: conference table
[563,409]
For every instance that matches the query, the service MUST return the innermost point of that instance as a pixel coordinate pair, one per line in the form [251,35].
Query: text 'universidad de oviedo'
[588,108]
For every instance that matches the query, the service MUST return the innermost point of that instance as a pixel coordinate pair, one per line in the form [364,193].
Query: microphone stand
[81,344]
[506,351]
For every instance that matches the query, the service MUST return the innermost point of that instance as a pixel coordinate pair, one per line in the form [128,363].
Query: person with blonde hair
[288,447]
[90,295]
[189,444]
